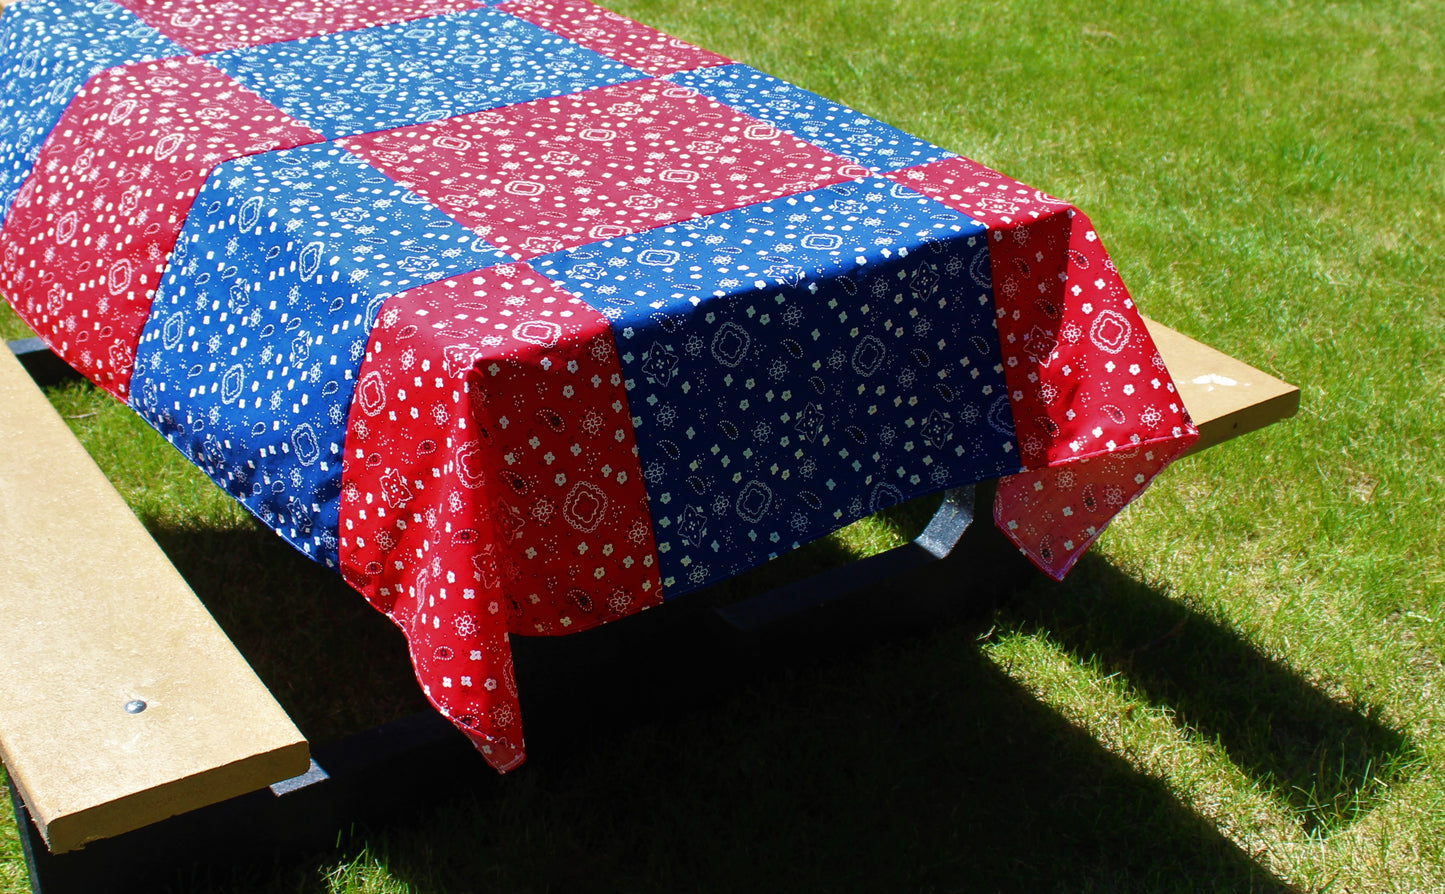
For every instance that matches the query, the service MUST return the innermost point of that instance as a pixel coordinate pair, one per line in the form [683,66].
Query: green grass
[1239,689]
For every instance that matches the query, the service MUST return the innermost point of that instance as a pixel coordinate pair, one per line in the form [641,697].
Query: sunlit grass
[12,862]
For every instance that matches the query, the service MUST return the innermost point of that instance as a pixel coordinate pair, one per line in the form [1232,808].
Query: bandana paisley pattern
[526,317]
[477,501]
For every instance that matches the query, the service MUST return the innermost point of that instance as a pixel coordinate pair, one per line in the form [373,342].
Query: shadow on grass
[853,749]
[1330,762]
[333,662]
[665,758]
[338,666]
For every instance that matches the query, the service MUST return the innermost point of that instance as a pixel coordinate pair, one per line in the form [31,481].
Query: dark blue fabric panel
[409,73]
[248,361]
[808,116]
[48,50]
[796,365]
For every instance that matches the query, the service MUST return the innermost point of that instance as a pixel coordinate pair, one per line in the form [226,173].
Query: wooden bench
[121,701]
[1226,397]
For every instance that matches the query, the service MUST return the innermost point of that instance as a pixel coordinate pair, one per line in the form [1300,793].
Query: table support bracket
[937,542]
[44,366]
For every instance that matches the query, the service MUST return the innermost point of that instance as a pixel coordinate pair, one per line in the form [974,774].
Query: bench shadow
[1330,761]
[291,617]
[334,663]
[846,754]
[850,750]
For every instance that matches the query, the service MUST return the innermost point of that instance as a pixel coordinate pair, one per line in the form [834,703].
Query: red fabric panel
[616,37]
[89,233]
[1095,412]
[547,175]
[204,26]
[490,432]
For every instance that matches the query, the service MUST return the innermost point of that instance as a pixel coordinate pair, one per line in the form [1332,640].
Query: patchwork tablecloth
[527,317]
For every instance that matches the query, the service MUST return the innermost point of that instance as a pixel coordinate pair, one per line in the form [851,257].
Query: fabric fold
[491,486]
[1096,414]
[567,317]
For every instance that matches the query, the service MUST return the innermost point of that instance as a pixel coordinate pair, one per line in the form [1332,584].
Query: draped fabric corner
[526,317]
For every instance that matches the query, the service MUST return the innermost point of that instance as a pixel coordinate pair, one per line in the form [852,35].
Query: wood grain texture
[92,616]
[1225,397]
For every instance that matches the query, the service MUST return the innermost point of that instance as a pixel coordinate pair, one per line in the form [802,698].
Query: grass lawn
[1239,689]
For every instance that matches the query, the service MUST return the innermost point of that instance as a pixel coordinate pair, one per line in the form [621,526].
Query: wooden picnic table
[112,719]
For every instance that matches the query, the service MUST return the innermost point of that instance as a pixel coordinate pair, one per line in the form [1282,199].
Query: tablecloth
[526,317]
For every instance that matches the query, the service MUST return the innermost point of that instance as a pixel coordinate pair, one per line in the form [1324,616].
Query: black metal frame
[372,775]
[44,366]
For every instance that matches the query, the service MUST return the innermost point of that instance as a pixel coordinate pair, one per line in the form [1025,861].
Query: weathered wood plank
[1226,397]
[93,616]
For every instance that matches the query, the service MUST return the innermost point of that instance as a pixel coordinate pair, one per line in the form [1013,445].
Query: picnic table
[526,318]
